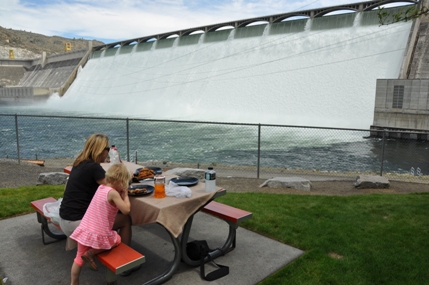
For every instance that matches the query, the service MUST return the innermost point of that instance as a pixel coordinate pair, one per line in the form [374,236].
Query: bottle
[159,182]
[114,155]
[210,177]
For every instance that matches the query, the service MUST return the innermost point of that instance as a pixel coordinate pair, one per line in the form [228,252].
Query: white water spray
[321,73]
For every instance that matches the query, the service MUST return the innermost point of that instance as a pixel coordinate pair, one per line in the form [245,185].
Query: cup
[159,183]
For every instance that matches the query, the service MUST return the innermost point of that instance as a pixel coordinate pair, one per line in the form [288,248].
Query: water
[319,72]
[204,143]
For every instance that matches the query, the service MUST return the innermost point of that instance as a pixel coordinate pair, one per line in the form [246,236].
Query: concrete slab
[25,260]
[288,182]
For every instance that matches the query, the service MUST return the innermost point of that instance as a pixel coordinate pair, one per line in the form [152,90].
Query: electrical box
[67,47]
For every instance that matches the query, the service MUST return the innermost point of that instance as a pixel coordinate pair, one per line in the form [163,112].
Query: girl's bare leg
[123,224]
[75,272]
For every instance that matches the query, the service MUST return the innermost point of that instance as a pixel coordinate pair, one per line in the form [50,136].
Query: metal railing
[234,149]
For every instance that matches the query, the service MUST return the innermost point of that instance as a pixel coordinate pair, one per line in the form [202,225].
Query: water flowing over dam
[305,72]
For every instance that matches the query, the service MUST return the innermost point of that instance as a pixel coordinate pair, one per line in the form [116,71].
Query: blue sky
[115,20]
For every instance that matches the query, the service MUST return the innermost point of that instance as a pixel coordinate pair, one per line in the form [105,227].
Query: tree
[404,15]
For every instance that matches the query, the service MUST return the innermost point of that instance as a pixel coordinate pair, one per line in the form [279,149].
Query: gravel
[14,175]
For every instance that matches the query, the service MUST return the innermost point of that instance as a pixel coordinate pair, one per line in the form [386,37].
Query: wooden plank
[226,212]
[121,258]
[35,161]
[38,204]
[68,169]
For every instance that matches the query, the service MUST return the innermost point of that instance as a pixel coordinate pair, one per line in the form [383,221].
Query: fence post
[17,138]
[128,140]
[382,152]
[259,151]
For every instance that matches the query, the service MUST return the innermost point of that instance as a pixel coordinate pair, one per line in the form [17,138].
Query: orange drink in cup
[159,182]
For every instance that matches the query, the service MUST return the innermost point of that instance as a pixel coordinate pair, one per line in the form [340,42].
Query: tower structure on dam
[402,104]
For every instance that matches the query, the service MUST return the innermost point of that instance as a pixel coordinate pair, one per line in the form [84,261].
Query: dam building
[402,104]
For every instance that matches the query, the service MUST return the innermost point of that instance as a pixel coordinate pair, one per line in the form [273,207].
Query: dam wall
[36,79]
[308,72]
[11,75]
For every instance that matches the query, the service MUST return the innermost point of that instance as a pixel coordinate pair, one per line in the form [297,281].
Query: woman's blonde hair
[118,173]
[93,149]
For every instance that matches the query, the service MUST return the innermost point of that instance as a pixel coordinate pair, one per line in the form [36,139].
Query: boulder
[368,181]
[188,172]
[288,182]
[52,178]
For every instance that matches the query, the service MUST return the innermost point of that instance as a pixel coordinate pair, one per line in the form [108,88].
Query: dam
[319,71]
[310,72]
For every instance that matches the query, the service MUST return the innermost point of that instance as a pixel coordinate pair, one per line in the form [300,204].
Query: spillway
[305,72]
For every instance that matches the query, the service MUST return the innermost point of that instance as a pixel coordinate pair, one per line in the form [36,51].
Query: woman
[85,177]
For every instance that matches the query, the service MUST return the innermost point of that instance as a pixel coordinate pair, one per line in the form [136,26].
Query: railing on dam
[312,13]
[234,149]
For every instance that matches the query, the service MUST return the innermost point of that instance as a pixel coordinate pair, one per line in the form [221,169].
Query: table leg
[176,262]
[45,229]
[230,240]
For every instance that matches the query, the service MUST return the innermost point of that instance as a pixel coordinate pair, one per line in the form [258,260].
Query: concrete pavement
[25,260]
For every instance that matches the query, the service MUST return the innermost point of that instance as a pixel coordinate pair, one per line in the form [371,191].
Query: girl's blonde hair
[118,173]
[93,149]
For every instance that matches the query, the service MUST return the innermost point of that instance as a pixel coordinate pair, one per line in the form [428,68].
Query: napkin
[177,191]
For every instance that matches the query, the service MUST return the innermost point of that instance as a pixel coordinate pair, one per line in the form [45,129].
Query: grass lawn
[362,239]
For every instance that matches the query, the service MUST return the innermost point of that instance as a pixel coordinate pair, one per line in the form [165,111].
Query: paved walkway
[25,260]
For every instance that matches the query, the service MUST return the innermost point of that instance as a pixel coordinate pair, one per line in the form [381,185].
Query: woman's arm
[121,201]
[102,181]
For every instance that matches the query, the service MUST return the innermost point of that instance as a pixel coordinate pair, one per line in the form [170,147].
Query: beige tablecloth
[171,212]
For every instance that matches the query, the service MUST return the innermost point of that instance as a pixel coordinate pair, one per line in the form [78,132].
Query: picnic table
[174,214]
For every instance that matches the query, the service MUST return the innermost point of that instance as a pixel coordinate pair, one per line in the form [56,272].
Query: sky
[115,20]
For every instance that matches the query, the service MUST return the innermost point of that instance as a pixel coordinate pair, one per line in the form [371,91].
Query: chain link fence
[237,150]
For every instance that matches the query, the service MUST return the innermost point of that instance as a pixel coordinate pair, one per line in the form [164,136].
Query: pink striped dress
[95,229]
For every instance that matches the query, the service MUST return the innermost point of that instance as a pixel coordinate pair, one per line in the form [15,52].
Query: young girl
[95,234]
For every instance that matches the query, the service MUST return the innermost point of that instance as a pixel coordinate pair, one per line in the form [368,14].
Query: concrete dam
[317,71]
[31,80]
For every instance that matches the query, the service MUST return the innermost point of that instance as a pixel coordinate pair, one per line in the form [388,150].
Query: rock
[368,181]
[188,172]
[288,182]
[52,178]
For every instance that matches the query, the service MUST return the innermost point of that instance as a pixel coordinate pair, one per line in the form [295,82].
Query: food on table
[137,191]
[145,173]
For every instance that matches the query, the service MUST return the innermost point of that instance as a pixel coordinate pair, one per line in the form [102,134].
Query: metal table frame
[180,248]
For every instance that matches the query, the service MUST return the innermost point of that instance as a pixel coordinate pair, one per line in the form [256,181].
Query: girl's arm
[122,201]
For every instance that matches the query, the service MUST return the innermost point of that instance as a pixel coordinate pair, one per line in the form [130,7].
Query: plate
[157,170]
[185,181]
[140,190]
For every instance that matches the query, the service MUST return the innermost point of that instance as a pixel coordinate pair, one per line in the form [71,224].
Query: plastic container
[114,155]
[210,182]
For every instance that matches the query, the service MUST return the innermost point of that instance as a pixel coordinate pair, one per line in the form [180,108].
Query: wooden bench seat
[46,221]
[117,260]
[233,216]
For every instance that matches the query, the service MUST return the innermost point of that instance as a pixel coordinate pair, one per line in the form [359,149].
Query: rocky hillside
[31,45]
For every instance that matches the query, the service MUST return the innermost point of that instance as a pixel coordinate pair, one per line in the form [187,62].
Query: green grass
[363,239]
[16,201]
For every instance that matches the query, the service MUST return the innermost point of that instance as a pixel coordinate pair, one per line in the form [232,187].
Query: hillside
[31,45]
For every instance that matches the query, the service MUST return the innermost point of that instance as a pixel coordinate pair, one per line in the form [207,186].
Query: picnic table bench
[233,216]
[117,260]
